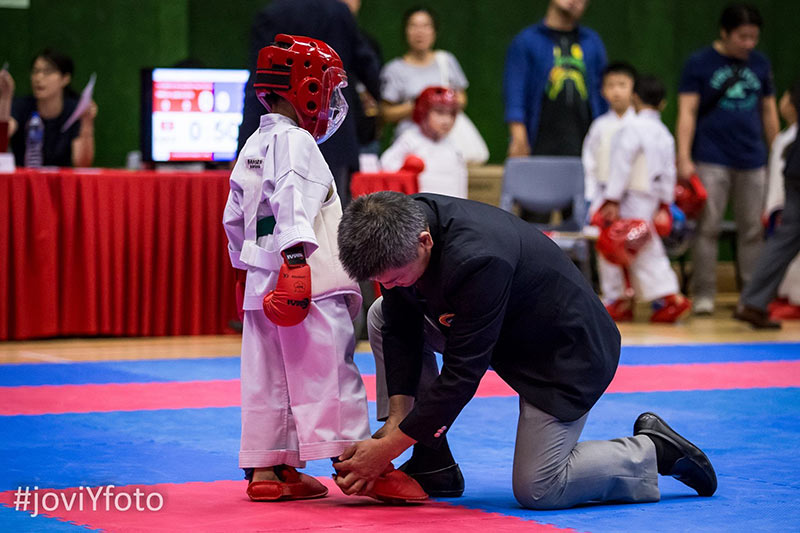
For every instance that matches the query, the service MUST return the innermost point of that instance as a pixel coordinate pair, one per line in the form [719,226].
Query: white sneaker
[703,306]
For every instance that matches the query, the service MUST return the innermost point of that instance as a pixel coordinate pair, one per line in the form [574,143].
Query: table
[98,252]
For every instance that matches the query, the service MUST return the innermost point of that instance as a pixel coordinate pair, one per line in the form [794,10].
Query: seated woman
[54,101]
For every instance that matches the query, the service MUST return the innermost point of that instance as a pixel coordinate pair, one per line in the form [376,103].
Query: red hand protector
[663,220]
[621,241]
[289,302]
[691,196]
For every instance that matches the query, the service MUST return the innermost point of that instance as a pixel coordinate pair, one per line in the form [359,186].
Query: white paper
[83,103]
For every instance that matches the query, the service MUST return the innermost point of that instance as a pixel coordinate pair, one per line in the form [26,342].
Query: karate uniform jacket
[504,295]
[445,170]
[280,173]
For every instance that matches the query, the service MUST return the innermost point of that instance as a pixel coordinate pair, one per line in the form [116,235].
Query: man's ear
[426,239]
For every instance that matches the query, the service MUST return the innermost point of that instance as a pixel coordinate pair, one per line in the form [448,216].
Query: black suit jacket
[332,22]
[504,295]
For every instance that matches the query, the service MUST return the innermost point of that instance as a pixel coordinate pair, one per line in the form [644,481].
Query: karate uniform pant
[552,470]
[651,275]
[302,395]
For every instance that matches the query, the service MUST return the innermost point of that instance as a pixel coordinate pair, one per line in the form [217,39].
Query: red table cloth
[113,253]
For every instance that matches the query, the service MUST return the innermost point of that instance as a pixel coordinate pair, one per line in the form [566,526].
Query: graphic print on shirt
[568,74]
[742,95]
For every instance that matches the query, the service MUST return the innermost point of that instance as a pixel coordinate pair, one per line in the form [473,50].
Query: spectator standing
[782,248]
[726,108]
[331,21]
[552,83]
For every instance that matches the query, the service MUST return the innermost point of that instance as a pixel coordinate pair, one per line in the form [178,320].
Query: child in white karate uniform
[434,115]
[617,90]
[641,185]
[302,395]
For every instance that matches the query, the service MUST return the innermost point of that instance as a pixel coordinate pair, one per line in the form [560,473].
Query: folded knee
[538,494]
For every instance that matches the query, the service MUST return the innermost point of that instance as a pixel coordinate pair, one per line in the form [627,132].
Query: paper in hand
[83,104]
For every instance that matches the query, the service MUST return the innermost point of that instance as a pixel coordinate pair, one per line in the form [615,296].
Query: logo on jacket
[254,163]
[446,319]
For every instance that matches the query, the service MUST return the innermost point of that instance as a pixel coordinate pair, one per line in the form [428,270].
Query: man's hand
[686,168]
[360,464]
[519,145]
[364,461]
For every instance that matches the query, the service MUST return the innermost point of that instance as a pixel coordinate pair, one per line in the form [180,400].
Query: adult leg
[748,188]
[716,180]
[779,252]
[552,470]
[327,396]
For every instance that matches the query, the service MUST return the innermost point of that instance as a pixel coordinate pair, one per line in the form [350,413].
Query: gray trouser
[779,252]
[552,470]
[746,188]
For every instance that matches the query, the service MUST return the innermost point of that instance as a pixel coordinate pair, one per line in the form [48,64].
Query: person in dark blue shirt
[726,110]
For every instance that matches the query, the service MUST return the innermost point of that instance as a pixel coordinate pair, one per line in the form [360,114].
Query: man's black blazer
[504,295]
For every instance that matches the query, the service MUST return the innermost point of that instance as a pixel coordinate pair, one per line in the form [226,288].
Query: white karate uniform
[445,170]
[302,395]
[641,176]
[596,151]
[776,195]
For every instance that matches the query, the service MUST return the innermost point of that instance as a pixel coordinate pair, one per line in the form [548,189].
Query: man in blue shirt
[552,83]
[726,110]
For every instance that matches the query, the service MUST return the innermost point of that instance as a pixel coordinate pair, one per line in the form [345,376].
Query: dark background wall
[116,38]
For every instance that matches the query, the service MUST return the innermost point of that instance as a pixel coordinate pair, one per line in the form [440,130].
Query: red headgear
[620,241]
[309,75]
[431,97]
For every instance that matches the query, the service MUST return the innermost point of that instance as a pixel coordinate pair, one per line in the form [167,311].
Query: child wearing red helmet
[435,111]
[302,395]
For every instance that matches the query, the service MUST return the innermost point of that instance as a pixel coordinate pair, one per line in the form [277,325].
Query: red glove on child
[663,220]
[288,303]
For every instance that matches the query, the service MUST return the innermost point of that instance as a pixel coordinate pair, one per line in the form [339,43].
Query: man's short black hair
[735,15]
[650,90]
[620,67]
[379,232]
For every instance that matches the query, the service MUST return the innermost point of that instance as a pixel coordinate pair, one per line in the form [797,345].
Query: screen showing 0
[196,113]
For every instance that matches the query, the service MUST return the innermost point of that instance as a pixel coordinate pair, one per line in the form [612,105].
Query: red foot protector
[294,486]
[223,506]
[394,486]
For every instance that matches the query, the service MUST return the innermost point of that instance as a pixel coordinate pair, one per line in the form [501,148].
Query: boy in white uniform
[435,112]
[641,185]
[617,90]
[302,395]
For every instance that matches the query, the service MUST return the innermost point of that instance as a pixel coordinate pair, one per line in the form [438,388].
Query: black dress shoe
[755,317]
[690,465]
[446,482]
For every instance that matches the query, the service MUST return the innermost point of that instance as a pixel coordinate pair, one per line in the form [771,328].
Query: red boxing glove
[663,220]
[288,303]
